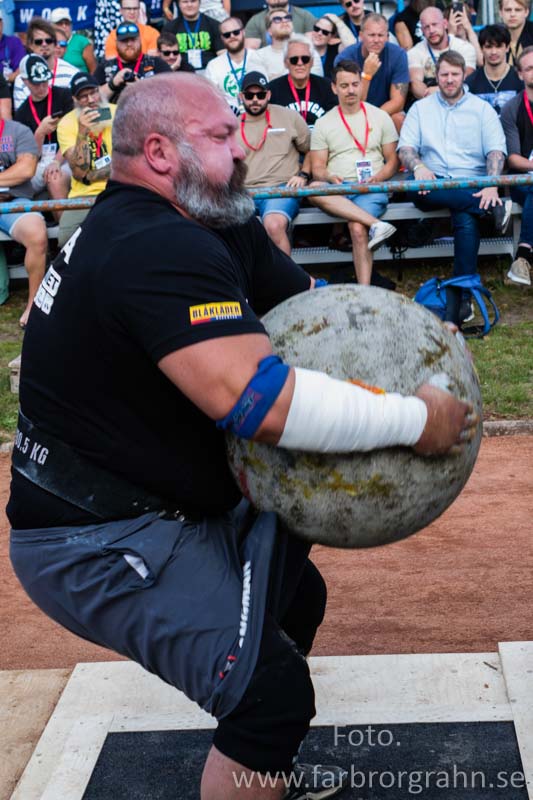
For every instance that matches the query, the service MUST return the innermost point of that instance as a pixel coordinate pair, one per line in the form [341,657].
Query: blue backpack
[432,295]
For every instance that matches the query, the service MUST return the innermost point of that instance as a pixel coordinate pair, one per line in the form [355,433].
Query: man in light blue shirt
[453,134]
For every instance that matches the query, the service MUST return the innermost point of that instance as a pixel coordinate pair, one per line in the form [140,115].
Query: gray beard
[212,205]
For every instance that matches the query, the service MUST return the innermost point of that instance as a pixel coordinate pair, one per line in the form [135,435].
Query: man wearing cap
[80,50]
[18,160]
[197,34]
[129,66]
[11,53]
[273,139]
[130,13]
[228,69]
[84,137]
[41,39]
[41,112]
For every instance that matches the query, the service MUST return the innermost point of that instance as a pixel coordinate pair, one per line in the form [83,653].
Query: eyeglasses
[318,29]
[285,18]
[40,42]
[130,8]
[250,95]
[297,59]
[170,52]
[228,34]
[62,43]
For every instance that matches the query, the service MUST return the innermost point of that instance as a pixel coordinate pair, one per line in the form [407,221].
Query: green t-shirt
[74,51]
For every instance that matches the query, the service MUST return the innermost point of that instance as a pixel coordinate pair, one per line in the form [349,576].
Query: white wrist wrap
[333,416]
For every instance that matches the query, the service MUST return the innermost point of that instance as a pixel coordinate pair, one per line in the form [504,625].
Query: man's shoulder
[278,83]
[461,46]
[418,53]
[283,114]
[65,67]
[209,24]
[395,53]
[510,109]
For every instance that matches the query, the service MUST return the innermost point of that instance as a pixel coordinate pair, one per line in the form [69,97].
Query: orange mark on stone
[373,389]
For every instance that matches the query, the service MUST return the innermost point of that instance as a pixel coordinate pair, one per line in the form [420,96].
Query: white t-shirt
[272,64]
[420,56]
[219,72]
[64,74]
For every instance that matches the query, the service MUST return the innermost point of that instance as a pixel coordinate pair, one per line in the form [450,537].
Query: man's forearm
[495,162]
[409,158]
[520,164]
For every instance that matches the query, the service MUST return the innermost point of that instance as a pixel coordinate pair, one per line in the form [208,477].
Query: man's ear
[161,153]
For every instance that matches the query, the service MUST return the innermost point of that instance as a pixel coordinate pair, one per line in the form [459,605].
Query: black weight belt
[57,468]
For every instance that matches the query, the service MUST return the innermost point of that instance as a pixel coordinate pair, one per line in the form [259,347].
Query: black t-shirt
[411,20]
[61,101]
[479,84]
[148,67]
[5,91]
[140,279]
[202,36]
[321,97]
[525,40]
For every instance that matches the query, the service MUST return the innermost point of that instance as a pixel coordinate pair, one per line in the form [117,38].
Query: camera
[129,76]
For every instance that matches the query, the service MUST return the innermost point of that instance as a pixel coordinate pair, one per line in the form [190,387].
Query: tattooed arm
[413,163]
[495,162]
[79,156]
[398,94]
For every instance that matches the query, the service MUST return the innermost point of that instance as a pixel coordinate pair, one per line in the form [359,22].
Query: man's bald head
[431,14]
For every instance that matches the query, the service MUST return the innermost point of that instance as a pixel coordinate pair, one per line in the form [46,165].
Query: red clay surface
[461,585]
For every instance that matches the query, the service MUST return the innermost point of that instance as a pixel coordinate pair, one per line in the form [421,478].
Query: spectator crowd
[345,97]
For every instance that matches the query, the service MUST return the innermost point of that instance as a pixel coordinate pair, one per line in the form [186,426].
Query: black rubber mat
[433,761]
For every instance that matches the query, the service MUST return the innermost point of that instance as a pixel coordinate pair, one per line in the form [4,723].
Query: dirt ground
[461,585]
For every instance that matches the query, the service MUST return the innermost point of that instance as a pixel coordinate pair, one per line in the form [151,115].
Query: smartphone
[57,114]
[105,114]
[458,7]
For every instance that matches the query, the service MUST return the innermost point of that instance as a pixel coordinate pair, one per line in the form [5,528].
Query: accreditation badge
[363,171]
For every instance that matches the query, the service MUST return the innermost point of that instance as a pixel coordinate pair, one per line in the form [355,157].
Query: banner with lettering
[82,13]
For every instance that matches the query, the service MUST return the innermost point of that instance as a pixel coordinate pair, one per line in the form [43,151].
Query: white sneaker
[378,232]
[520,272]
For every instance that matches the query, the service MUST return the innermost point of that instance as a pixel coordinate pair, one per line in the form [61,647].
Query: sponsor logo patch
[212,312]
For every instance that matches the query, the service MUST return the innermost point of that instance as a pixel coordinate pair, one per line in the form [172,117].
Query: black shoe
[501,216]
[316,782]
[382,281]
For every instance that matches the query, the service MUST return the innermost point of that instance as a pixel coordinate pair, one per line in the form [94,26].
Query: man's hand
[87,118]
[372,64]
[296,182]
[119,78]
[47,125]
[424,174]
[450,422]
[488,197]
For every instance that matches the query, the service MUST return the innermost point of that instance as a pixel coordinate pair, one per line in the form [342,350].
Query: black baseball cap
[34,69]
[254,79]
[82,80]
[127,30]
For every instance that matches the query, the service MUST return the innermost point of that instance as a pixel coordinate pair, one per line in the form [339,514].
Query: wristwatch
[304,174]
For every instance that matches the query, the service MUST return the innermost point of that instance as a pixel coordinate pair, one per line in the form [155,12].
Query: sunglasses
[286,18]
[133,29]
[350,3]
[170,52]
[62,43]
[48,40]
[297,59]
[228,34]
[318,29]
[252,95]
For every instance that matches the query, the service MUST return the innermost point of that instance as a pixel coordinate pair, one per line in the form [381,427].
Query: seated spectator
[229,68]
[217,9]
[385,75]
[328,28]
[514,15]
[11,52]
[129,66]
[308,95]
[79,49]
[41,39]
[355,142]
[197,34]
[279,26]
[84,137]
[41,112]
[169,52]
[130,13]
[496,81]
[460,25]
[18,161]
[517,121]
[354,13]
[467,143]
[256,32]
[6,105]
[423,57]
[407,28]
[273,139]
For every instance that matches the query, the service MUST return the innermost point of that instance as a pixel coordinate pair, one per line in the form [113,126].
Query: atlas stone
[361,499]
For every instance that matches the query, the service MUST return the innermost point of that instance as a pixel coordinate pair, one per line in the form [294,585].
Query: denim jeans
[524,196]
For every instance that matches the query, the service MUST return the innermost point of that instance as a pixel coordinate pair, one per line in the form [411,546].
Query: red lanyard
[135,68]
[48,110]
[528,107]
[2,126]
[361,147]
[98,143]
[264,136]
[303,111]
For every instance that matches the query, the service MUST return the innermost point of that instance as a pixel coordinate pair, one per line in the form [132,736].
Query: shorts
[38,182]
[374,203]
[197,604]
[287,206]
[8,221]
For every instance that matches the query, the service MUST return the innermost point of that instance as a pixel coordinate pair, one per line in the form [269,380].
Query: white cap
[58,14]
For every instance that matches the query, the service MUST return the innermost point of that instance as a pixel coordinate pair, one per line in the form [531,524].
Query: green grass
[504,359]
